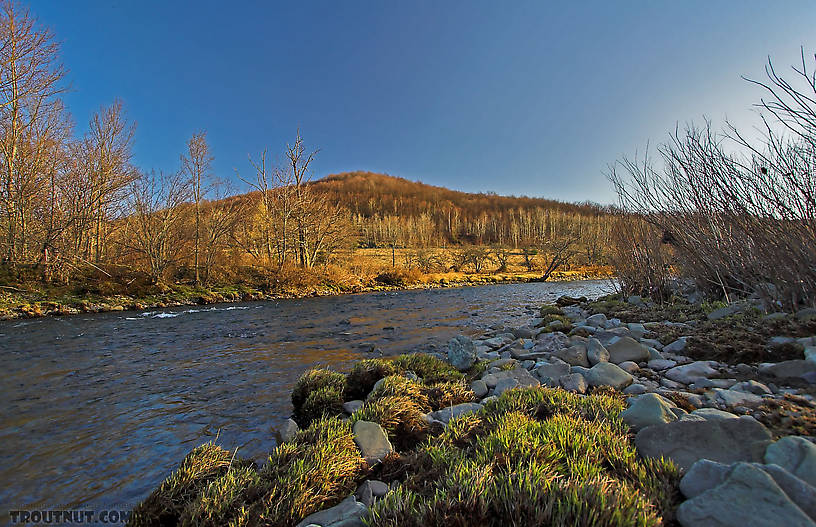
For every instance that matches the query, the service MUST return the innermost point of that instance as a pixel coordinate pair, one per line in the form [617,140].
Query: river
[98,409]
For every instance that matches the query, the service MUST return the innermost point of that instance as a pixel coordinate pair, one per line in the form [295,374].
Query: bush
[445,394]
[398,277]
[365,374]
[222,499]
[396,385]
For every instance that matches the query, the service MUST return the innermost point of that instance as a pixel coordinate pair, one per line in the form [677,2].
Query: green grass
[533,456]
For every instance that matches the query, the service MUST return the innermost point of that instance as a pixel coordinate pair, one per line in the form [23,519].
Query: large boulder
[553,370]
[627,349]
[523,377]
[461,353]
[347,514]
[788,369]
[691,373]
[647,410]
[608,374]
[723,440]
[749,496]
[372,441]
[795,454]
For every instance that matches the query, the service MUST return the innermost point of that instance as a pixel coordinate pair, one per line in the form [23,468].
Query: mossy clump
[445,394]
[317,393]
[428,367]
[550,310]
[397,385]
[535,456]
[165,505]
[365,374]
[222,499]
[400,417]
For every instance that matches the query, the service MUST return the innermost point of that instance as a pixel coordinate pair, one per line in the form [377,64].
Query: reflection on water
[98,409]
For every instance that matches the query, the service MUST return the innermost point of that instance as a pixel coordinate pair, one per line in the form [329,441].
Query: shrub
[165,505]
[222,499]
[326,401]
[428,367]
[365,374]
[397,385]
[398,277]
[548,309]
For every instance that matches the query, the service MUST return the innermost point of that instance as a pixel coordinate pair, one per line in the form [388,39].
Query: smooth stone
[637,330]
[446,414]
[629,367]
[505,384]
[479,388]
[627,349]
[795,454]
[596,352]
[634,389]
[647,410]
[520,374]
[749,496]
[597,320]
[653,353]
[727,311]
[713,414]
[573,355]
[574,382]
[702,476]
[810,354]
[661,364]
[677,346]
[752,386]
[288,430]
[461,353]
[552,371]
[788,368]
[736,398]
[352,406]
[690,373]
[347,514]
[724,440]
[608,374]
[372,441]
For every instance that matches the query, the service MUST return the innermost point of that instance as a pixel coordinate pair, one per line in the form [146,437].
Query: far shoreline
[231,294]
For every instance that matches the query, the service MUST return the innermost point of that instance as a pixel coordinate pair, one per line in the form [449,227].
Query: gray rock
[677,346]
[800,492]
[505,384]
[636,301]
[661,364]
[352,406]
[808,313]
[736,398]
[372,441]
[608,374]
[520,374]
[810,354]
[446,414]
[551,341]
[647,410]
[787,369]
[525,332]
[752,386]
[724,440]
[637,330]
[574,382]
[347,514]
[702,476]
[795,454]
[690,373]
[288,430]
[713,414]
[629,366]
[596,352]
[479,388]
[653,353]
[461,353]
[727,311]
[554,370]
[634,389]
[369,490]
[670,384]
[574,355]
[627,349]
[597,320]
[652,343]
[749,496]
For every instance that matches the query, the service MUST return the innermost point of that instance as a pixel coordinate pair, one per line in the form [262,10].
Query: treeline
[734,211]
[75,205]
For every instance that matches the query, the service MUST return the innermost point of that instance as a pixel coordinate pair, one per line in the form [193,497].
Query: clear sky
[515,97]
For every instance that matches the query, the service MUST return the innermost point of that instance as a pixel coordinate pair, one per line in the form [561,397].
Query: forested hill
[386,209]
[370,194]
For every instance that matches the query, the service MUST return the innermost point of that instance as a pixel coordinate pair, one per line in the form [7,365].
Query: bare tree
[196,164]
[299,161]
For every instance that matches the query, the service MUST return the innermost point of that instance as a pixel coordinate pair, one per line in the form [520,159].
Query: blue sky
[532,98]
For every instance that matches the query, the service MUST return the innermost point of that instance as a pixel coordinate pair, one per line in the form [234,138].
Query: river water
[96,410]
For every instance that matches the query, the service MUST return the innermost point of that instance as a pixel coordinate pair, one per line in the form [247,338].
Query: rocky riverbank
[614,412]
